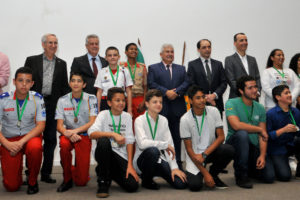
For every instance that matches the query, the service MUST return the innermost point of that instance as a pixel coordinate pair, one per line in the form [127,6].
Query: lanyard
[20,115]
[202,122]
[281,74]
[150,127]
[292,118]
[112,76]
[79,104]
[249,117]
[129,67]
[114,125]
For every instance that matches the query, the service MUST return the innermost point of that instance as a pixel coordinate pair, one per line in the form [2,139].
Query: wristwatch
[204,155]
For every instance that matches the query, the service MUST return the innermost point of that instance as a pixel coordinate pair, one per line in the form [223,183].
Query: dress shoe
[244,182]
[65,186]
[103,188]
[151,185]
[47,179]
[33,189]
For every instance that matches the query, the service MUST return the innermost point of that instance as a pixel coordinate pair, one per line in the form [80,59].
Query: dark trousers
[279,166]
[246,155]
[147,163]
[174,122]
[220,158]
[111,166]
[49,136]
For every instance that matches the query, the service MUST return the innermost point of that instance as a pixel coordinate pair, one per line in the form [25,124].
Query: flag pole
[183,53]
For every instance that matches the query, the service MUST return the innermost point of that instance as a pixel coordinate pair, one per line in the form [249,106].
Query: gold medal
[75,119]
[19,123]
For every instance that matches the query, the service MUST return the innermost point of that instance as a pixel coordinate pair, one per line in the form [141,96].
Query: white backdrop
[268,24]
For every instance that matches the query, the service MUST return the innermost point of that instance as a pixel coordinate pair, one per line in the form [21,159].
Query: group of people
[146,141]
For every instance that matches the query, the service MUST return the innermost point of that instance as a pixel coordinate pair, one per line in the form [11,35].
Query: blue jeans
[279,167]
[147,162]
[246,155]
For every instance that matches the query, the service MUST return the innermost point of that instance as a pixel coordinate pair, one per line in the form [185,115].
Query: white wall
[268,24]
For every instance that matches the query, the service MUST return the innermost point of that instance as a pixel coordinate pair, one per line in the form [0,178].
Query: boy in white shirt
[155,149]
[199,128]
[115,145]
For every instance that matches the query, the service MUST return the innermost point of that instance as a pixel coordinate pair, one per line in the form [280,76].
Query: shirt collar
[203,59]
[278,109]
[166,64]
[45,57]
[90,57]
[242,57]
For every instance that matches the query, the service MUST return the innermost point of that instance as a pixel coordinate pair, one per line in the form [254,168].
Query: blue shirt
[97,61]
[277,119]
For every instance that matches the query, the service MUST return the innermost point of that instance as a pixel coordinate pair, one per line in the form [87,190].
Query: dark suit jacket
[82,65]
[158,78]
[235,69]
[60,84]
[197,75]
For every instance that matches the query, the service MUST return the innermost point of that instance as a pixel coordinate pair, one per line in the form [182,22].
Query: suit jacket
[60,84]
[82,65]
[235,69]
[198,76]
[158,78]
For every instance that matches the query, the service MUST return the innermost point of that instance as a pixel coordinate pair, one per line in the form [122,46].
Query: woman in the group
[275,75]
[295,66]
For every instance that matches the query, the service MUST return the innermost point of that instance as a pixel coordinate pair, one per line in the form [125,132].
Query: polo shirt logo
[9,109]
[68,108]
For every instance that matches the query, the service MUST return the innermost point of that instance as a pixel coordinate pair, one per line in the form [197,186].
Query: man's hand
[13,147]
[170,150]
[290,128]
[75,138]
[264,135]
[171,94]
[119,139]
[198,158]
[179,173]
[261,162]
[209,181]
[131,170]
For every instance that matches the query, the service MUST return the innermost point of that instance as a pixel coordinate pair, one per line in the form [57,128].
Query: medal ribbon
[150,127]
[114,125]
[79,104]
[112,76]
[20,115]
[292,118]
[202,122]
[281,74]
[249,117]
[132,75]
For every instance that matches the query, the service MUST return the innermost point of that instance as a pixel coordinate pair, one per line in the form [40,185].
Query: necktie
[168,69]
[208,72]
[95,67]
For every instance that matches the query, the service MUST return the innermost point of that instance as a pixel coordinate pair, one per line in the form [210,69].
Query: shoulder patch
[3,95]
[38,95]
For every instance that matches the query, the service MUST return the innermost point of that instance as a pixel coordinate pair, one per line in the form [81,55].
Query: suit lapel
[40,68]
[201,69]
[56,70]
[87,63]
[249,66]
[239,62]
[165,72]
[213,70]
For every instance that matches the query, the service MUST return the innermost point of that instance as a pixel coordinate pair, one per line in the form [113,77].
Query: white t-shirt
[104,123]
[188,130]
[104,80]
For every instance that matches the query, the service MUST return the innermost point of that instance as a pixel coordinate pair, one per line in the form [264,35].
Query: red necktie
[95,67]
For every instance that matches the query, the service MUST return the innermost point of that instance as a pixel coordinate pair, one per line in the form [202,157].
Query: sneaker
[33,189]
[219,184]
[244,182]
[65,186]
[102,191]
[151,185]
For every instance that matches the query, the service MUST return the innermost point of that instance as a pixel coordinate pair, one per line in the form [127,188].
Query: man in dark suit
[239,64]
[209,75]
[51,80]
[171,79]
[89,64]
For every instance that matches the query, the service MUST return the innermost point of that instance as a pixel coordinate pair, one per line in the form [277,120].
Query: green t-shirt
[237,108]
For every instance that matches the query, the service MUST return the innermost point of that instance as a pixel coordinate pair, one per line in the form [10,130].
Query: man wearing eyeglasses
[51,80]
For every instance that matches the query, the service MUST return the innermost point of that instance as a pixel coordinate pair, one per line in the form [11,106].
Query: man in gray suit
[239,64]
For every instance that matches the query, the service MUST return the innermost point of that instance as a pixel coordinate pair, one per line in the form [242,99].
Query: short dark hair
[130,44]
[77,74]
[193,90]
[199,43]
[241,83]
[276,91]
[153,93]
[294,63]
[112,91]
[23,70]
[235,36]
[272,54]
[111,48]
